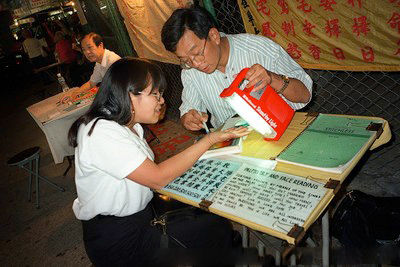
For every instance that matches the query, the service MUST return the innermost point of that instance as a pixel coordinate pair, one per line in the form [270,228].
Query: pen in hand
[204,124]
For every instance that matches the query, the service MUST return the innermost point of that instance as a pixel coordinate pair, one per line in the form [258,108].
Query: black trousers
[132,241]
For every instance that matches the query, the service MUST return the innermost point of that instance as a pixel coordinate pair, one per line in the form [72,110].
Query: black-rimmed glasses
[199,57]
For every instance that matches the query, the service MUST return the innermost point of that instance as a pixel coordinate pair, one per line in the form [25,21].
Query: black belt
[100,217]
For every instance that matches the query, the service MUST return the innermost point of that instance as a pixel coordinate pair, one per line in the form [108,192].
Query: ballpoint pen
[204,124]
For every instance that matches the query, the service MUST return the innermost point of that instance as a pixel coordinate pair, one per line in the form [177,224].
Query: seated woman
[115,172]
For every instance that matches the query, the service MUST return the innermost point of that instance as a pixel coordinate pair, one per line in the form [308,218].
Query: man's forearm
[86,86]
[295,90]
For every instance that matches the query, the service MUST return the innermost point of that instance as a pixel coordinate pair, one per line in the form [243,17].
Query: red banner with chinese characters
[357,35]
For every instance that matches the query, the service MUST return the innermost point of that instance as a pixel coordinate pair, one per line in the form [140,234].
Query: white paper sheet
[272,199]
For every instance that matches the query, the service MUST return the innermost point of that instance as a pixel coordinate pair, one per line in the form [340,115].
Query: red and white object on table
[269,115]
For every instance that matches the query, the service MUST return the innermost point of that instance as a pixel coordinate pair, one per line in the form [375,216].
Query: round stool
[26,157]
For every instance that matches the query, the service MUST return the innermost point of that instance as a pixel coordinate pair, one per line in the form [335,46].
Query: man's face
[201,54]
[92,52]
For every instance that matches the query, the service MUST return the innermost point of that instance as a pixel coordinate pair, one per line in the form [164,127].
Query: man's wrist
[286,81]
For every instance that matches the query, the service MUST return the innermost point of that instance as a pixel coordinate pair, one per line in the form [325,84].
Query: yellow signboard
[357,35]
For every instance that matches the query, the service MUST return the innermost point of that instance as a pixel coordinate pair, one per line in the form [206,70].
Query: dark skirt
[132,241]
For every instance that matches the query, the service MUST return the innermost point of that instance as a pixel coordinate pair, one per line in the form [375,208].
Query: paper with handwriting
[269,198]
[272,199]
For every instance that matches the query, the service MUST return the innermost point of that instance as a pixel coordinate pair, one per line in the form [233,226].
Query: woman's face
[147,106]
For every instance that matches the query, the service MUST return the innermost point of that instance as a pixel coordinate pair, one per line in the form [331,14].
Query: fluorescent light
[55,12]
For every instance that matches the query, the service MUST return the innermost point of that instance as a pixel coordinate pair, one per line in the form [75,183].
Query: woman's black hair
[196,19]
[113,102]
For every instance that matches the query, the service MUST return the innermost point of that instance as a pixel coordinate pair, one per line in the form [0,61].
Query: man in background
[33,47]
[94,51]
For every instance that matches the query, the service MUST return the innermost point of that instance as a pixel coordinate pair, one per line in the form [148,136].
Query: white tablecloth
[55,119]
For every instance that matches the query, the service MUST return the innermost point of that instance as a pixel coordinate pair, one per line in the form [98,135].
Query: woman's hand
[220,136]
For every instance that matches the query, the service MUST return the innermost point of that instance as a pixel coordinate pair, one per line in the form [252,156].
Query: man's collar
[104,59]
[225,54]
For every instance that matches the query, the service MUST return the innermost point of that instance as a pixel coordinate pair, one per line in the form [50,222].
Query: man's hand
[258,76]
[193,121]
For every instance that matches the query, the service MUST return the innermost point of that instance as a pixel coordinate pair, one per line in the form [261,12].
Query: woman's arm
[157,176]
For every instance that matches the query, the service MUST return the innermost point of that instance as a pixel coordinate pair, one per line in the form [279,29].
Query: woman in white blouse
[115,172]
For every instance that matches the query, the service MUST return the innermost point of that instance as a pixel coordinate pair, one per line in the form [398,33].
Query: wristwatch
[286,81]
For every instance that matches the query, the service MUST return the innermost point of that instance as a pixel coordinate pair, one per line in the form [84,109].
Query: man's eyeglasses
[157,95]
[199,57]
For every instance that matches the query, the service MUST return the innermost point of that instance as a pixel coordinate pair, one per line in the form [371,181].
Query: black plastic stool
[26,157]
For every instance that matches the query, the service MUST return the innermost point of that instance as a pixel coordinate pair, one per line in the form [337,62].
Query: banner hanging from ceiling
[357,35]
[144,20]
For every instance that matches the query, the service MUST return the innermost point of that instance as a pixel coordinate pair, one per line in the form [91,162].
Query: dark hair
[112,102]
[97,39]
[196,19]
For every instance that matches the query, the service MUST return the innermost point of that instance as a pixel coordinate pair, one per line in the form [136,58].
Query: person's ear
[101,45]
[131,96]
[133,100]
[214,35]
